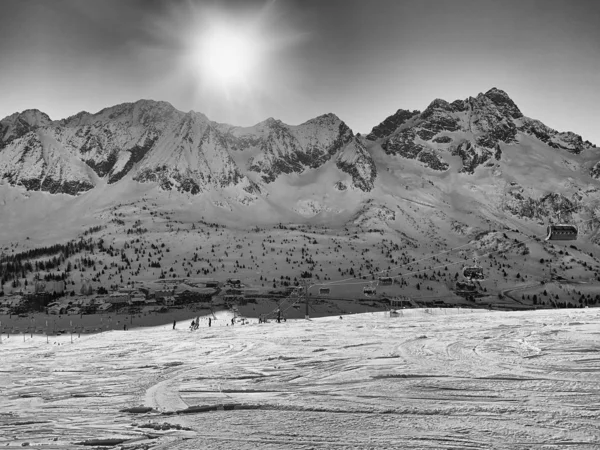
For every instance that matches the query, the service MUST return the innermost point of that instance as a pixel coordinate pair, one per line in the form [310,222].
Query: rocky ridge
[474,129]
[153,142]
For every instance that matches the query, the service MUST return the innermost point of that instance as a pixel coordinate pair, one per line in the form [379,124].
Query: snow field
[429,378]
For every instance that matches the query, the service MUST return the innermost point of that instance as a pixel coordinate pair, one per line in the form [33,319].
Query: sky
[297,59]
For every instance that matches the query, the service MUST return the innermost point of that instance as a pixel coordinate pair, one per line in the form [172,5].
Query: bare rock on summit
[152,142]
[479,125]
[390,124]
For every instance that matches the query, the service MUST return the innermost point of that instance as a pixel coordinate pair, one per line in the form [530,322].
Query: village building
[162,293]
[118,298]
[197,295]
[104,307]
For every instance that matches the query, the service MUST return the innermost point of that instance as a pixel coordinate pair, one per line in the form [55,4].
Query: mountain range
[478,151]
[152,142]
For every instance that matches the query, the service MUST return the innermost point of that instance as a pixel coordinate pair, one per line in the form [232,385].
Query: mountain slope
[474,162]
[153,142]
[473,129]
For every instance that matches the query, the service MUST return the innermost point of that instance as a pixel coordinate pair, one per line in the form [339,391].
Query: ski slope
[426,379]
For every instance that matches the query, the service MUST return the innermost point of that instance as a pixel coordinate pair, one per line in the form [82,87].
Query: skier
[174,323]
[209,322]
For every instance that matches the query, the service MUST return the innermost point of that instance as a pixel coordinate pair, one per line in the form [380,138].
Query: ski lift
[561,232]
[386,281]
[324,291]
[474,272]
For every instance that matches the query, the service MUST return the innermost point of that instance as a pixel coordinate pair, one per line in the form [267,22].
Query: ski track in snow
[427,379]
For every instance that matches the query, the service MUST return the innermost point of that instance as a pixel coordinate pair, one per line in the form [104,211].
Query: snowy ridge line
[342,282]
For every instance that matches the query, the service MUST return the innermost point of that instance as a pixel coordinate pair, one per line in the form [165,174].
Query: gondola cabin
[324,291]
[386,281]
[473,273]
[561,232]
[369,291]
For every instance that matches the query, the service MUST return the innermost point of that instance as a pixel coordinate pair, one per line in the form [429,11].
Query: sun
[227,56]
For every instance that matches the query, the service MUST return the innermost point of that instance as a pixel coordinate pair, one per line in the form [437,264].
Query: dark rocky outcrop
[391,124]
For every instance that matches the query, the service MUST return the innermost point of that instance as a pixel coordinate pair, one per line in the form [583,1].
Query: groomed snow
[426,379]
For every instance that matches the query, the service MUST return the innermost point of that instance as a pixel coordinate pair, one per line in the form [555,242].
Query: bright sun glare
[227,56]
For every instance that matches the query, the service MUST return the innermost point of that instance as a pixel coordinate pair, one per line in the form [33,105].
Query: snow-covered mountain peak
[503,102]
[473,129]
[499,101]
[19,124]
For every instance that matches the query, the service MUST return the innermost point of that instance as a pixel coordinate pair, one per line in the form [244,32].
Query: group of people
[196,323]
[261,319]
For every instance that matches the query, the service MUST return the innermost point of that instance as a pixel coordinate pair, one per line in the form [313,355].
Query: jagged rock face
[357,162]
[26,161]
[472,156]
[19,124]
[403,144]
[595,171]
[190,156]
[503,103]
[569,141]
[391,124]
[474,129]
[283,149]
[492,123]
[553,206]
[153,142]
[437,117]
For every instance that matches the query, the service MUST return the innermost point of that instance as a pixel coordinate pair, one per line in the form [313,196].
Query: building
[55,310]
[50,287]
[117,298]
[137,299]
[162,293]
[16,304]
[194,296]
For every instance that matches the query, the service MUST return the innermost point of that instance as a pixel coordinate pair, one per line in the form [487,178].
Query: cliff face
[153,142]
[473,129]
